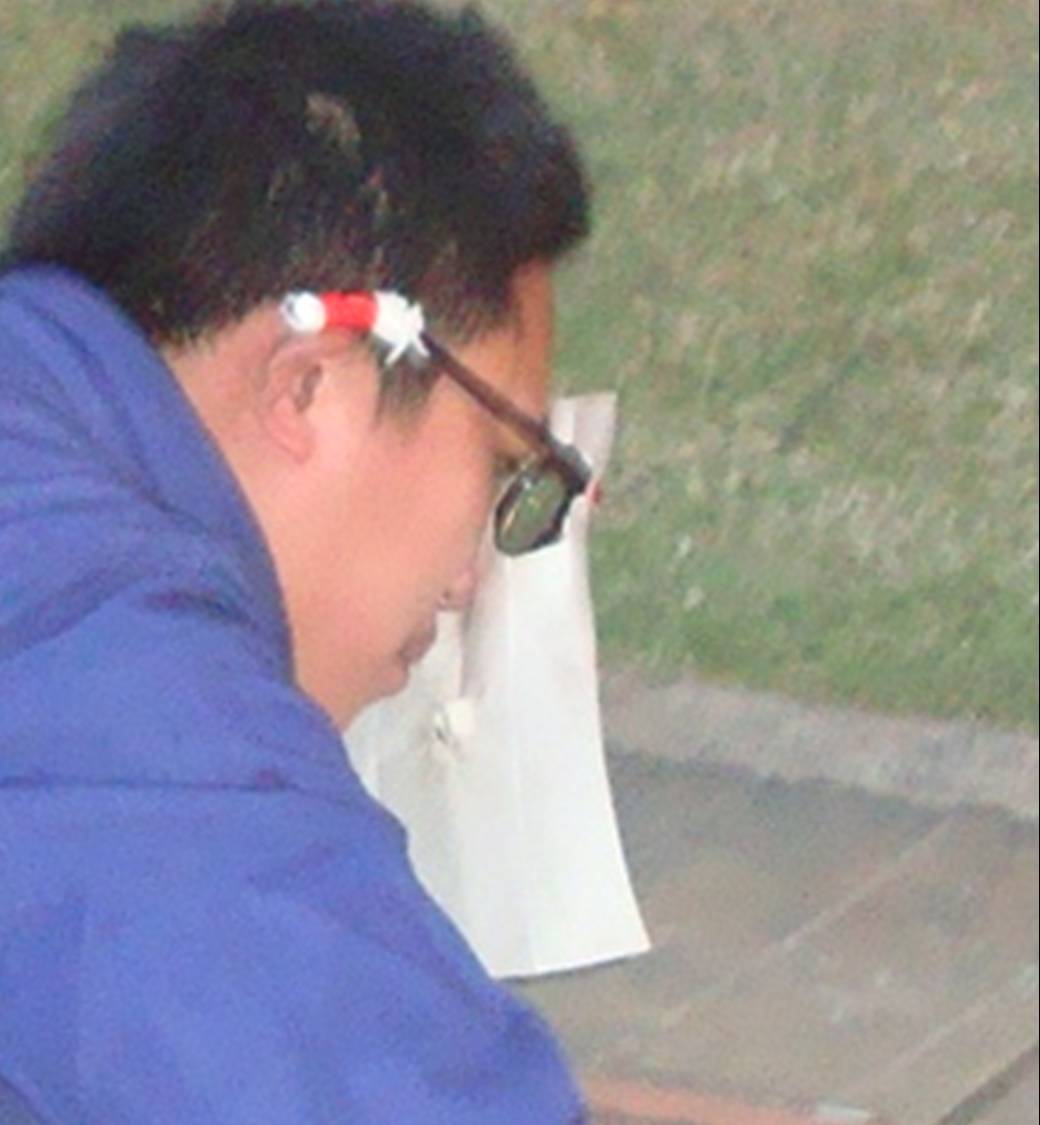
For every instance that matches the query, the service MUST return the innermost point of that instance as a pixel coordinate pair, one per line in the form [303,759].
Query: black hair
[264,147]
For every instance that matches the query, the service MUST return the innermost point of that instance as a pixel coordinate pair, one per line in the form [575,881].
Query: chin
[398,680]
[391,679]
[394,679]
[344,710]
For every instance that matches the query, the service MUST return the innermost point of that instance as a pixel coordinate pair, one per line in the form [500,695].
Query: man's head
[331,144]
[206,170]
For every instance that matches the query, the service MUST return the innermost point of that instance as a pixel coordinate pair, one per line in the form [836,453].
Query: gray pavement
[820,954]
[934,762]
[1017,1104]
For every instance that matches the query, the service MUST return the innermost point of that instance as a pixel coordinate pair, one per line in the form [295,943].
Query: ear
[300,377]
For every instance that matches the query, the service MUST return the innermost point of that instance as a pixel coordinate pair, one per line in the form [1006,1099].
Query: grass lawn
[813,283]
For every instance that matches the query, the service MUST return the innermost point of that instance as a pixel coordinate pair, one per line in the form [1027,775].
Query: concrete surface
[928,761]
[1017,1104]
[821,955]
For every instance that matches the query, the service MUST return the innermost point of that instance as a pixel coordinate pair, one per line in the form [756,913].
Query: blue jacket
[203,916]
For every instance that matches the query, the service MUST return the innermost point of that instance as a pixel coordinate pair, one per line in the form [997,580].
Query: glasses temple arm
[535,430]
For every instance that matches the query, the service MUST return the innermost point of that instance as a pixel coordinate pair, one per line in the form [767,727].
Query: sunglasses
[533,508]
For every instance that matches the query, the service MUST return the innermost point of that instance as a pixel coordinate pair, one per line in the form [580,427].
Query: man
[222,535]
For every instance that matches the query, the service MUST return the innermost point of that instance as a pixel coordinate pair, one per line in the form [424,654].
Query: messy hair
[207,167]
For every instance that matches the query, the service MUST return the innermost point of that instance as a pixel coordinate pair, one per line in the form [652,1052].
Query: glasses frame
[555,455]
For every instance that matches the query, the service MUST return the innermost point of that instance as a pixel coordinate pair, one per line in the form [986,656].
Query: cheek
[458,489]
[453,519]
[426,503]
[419,529]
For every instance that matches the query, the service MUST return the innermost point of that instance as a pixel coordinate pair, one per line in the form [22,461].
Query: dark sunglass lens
[531,513]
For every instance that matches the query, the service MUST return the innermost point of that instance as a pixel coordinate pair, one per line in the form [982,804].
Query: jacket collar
[133,411]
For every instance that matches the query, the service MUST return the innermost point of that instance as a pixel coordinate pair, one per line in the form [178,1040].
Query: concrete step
[814,947]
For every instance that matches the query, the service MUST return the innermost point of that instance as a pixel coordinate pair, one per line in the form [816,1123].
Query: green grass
[813,283]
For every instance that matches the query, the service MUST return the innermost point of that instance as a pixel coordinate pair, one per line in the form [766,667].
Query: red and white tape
[390,318]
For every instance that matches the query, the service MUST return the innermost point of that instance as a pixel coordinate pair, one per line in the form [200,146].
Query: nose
[458,595]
